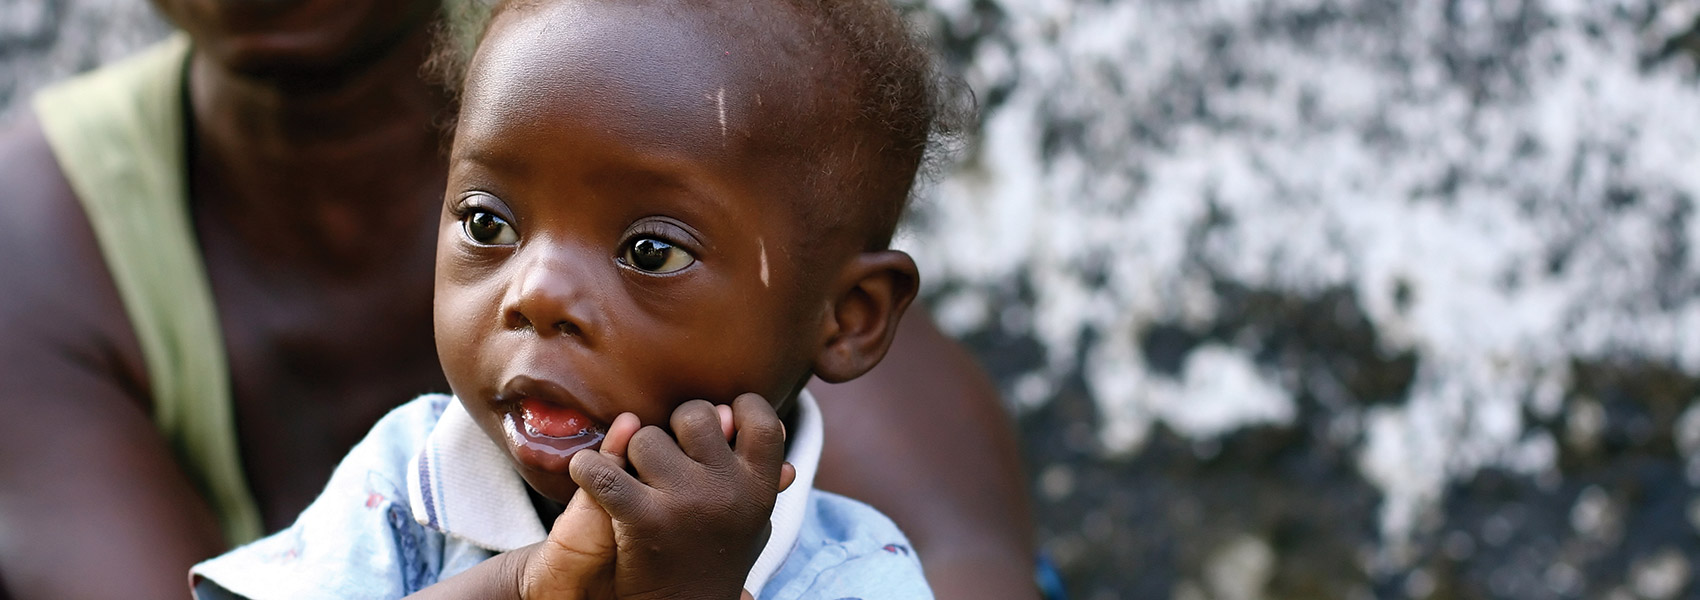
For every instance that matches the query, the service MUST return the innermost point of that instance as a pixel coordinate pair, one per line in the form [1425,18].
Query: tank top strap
[118,134]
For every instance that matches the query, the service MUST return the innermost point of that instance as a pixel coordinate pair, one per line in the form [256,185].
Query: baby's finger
[761,436]
[584,528]
[787,476]
[607,483]
[701,433]
[619,436]
[726,425]
[657,459]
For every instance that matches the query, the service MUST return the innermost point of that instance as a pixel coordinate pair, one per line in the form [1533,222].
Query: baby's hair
[903,102]
[904,106]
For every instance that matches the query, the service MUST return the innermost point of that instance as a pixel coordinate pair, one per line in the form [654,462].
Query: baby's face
[614,239]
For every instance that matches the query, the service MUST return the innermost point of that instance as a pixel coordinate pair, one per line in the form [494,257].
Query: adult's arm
[924,438]
[92,503]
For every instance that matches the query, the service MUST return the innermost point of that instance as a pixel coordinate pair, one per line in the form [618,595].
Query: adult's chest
[316,359]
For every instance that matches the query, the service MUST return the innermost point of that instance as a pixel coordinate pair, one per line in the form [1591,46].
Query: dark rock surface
[1304,298]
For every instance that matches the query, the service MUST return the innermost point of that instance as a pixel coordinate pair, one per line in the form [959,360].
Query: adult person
[254,212]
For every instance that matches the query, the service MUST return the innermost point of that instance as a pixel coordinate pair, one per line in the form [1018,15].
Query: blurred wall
[1304,298]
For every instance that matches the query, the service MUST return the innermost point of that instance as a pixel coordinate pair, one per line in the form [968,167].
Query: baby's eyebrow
[689,189]
[490,161]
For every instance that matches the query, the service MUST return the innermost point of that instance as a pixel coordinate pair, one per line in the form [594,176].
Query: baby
[654,208]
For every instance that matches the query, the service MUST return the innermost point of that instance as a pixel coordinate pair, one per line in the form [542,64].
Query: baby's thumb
[578,556]
[585,529]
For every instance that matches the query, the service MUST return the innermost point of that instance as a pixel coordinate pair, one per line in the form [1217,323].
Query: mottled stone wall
[45,40]
[1305,298]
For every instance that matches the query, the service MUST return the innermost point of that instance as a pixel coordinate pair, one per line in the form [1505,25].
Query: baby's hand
[694,519]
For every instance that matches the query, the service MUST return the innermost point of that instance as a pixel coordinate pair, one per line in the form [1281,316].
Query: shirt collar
[462,484]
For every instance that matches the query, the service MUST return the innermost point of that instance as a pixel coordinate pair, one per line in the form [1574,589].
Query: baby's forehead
[749,68]
[744,88]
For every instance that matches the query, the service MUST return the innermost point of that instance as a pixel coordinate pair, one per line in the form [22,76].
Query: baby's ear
[870,296]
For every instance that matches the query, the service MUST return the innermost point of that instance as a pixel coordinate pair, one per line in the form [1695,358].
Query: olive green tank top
[118,133]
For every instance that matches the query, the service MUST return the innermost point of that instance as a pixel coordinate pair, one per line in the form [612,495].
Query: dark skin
[316,183]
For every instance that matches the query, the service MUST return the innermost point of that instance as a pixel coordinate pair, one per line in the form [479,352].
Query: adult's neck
[304,114]
[311,168]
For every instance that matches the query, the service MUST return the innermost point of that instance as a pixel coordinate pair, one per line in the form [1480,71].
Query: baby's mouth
[553,420]
[549,428]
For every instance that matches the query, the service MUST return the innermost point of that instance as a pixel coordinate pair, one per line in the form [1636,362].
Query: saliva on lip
[522,429]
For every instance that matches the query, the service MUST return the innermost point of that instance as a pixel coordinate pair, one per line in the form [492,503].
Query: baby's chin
[557,488]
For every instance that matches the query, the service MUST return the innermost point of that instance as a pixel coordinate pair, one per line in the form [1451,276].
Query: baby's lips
[544,435]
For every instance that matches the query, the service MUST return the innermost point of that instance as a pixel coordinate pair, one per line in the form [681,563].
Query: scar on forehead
[720,104]
[763,247]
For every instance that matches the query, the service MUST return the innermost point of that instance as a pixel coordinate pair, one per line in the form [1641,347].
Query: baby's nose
[551,295]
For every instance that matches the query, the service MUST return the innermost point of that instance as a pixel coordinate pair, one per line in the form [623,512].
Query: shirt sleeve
[356,540]
[848,550]
[883,574]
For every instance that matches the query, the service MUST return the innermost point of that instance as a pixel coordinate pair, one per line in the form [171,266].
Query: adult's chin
[296,38]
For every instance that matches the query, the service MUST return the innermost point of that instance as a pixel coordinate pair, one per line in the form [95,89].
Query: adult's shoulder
[35,186]
[77,429]
[61,304]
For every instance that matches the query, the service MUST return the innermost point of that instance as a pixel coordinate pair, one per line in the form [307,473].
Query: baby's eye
[656,256]
[484,227]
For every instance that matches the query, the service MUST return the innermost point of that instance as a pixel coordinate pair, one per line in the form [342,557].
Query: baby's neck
[547,510]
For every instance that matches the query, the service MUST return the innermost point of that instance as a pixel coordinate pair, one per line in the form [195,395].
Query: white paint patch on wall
[1240,570]
[1219,392]
[1532,210]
